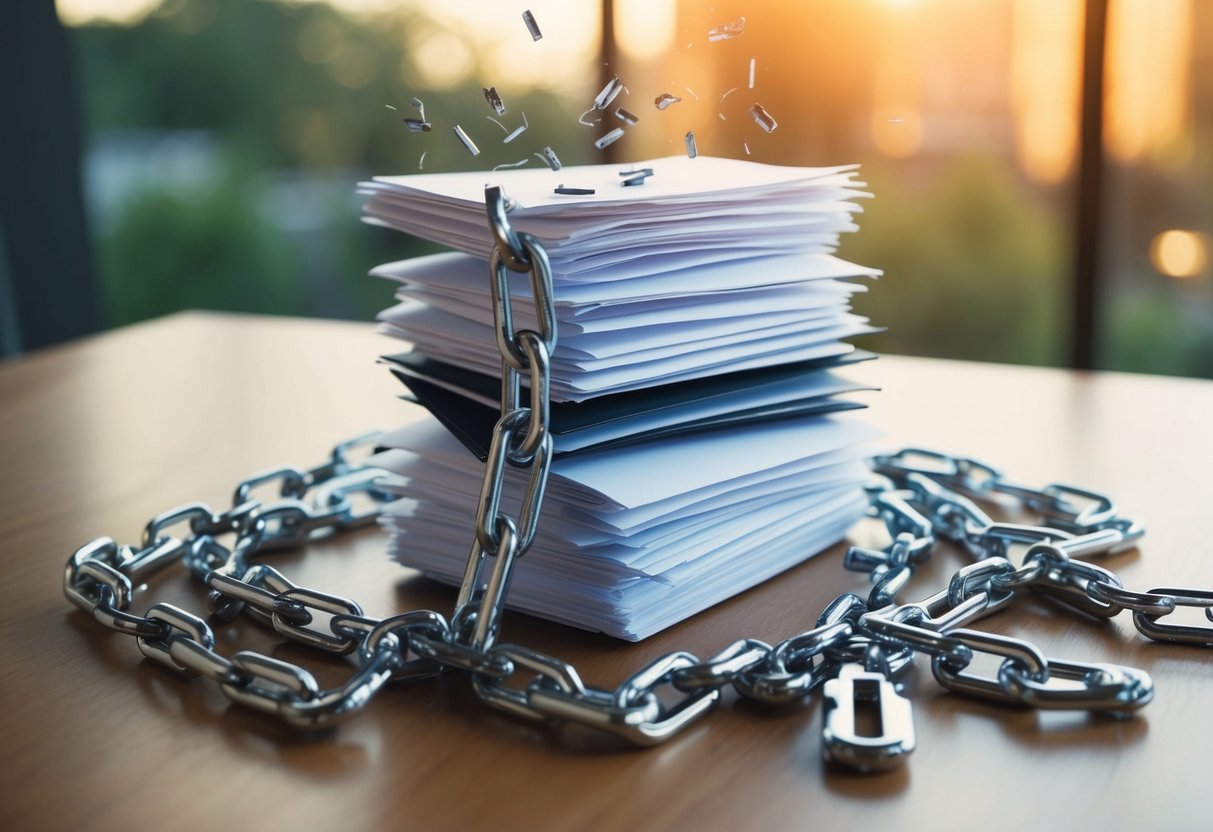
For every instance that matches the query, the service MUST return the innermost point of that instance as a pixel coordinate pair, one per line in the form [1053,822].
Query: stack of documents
[702,318]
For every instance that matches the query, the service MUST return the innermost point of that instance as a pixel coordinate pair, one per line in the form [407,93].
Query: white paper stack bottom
[679,303]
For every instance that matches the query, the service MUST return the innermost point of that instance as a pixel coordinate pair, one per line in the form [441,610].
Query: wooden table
[101,434]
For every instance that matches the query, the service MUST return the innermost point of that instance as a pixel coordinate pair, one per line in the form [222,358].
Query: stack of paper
[701,318]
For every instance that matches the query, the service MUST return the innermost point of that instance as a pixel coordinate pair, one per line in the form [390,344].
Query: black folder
[466,402]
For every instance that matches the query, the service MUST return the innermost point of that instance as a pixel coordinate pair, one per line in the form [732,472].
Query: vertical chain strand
[522,436]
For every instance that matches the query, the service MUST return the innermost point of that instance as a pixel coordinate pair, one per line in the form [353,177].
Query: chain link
[854,651]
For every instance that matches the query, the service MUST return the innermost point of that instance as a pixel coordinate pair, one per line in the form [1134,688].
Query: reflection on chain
[521,437]
[854,650]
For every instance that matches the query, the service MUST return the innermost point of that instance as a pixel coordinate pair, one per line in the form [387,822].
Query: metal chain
[521,437]
[854,651]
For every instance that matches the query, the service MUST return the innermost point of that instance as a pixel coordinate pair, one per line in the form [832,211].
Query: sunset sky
[1148,76]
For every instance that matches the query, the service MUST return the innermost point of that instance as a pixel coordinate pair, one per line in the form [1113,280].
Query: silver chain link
[854,652]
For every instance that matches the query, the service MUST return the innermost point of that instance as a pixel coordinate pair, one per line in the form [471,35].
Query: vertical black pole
[1085,329]
[610,65]
[50,294]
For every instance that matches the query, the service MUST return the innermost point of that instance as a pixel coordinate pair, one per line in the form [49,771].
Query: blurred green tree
[969,269]
[291,101]
[293,97]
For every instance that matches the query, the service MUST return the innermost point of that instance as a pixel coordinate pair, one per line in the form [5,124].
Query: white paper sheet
[727,511]
[699,181]
[737,208]
[713,266]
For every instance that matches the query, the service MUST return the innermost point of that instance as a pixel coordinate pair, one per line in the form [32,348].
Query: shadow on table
[1039,730]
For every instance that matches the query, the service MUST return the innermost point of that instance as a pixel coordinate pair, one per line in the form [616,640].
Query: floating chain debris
[419,124]
[762,118]
[610,138]
[626,116]
[549,158]
[467,141]
[494,100]
[725,31]
[608,94]
[602,102]
[531,25]
[635,177]
[517,132]
[561,189]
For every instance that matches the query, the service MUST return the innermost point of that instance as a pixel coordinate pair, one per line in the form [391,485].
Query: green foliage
[203,249]
[1153,336]
[975,265]
[236,71]
[292,98]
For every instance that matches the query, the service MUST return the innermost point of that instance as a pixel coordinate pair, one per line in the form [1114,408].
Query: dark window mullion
[1089,214]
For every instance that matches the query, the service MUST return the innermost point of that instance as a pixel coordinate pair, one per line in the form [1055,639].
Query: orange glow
[1148,80]
[897,132]
[1046,42]
[896,123]
[645,28]
[931,76]
[1178,253]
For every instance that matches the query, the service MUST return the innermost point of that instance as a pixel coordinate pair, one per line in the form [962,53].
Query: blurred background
[220,142]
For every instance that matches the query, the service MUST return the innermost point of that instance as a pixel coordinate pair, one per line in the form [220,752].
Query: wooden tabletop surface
[99,435]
